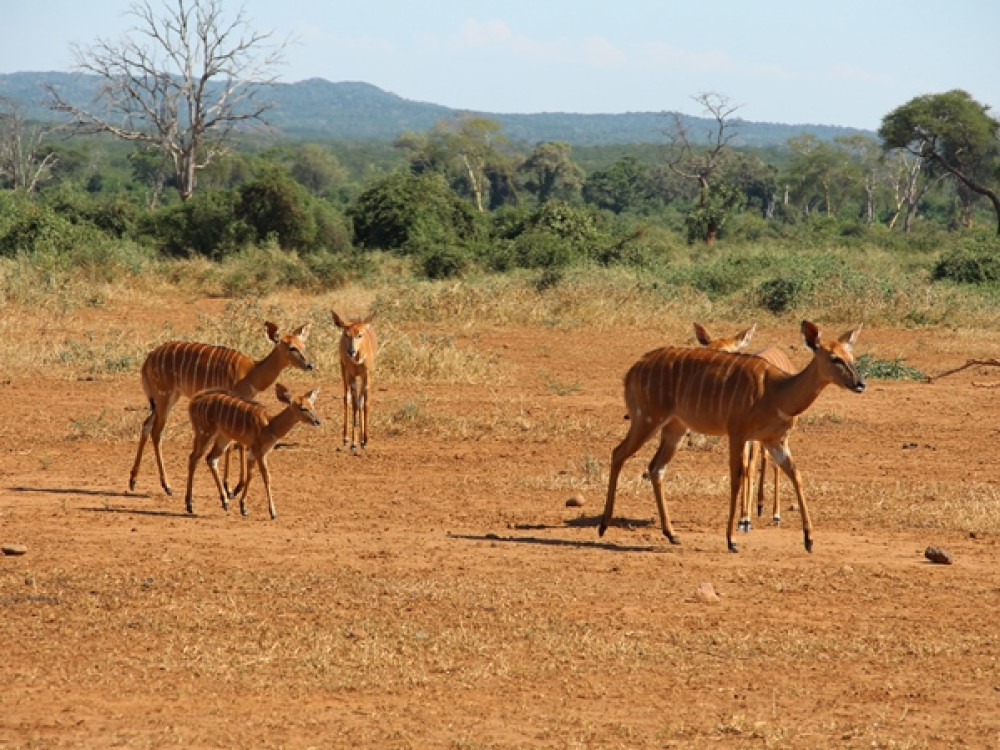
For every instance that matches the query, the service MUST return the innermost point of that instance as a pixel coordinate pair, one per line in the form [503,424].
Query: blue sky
[847,62]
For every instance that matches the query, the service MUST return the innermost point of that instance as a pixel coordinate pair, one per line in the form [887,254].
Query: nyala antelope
[358,347]
[746,398]
[182,368]
[220,418]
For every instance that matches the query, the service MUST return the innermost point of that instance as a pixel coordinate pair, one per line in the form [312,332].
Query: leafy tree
[274,204]
[865,156]
[468,149]
[818,173]
[756,180]
[317,168]
[715,206]
[550,174]
[184,82]
[621,187]
[951,132]
[407,213]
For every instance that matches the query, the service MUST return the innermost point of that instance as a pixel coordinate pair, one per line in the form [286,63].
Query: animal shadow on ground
[105,494]
[572,523]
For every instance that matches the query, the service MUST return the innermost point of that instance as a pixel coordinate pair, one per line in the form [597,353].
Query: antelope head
[735,344]
[835,358]
[303,406]
[291,345]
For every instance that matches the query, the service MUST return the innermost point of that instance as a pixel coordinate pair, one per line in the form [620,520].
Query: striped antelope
[179,368]
[718,393]
[756,459]
[358,346]
[221,417]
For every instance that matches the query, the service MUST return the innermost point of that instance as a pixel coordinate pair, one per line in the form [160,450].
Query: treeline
[461,198]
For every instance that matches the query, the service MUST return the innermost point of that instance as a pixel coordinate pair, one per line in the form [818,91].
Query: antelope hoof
[190,508]
[673,539]
[809,544]
[168,490]
[131,484]
[744,525]
[602,528]
[733,548]
[776,521]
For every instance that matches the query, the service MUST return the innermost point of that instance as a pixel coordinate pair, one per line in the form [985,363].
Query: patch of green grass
[887,369]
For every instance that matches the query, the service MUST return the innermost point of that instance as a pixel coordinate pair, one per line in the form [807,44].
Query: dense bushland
[293,217]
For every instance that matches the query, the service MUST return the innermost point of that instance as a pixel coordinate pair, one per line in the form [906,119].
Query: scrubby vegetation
[502,231]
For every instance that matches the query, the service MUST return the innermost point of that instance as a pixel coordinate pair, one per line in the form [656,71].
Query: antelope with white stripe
[181,368]
[746,398]
[221,417]
[358,347]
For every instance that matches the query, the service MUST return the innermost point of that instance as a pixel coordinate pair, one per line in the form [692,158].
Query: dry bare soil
[437,591]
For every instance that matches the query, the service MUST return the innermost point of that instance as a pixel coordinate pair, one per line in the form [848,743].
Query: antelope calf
[219,418]
[358,347]
[181,368]
[746,398]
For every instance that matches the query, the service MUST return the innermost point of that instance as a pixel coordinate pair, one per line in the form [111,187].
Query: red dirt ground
[437,591]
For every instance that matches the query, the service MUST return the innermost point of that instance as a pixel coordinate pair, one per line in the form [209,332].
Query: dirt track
[438,592]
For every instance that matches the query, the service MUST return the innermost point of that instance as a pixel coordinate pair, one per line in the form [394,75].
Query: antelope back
[703,388]
[223,412]
[776,357]
[358,342]
[186,368]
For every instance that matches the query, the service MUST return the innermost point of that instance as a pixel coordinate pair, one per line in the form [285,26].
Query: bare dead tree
[702,160]
[23,162]
[906,178]
[183,81]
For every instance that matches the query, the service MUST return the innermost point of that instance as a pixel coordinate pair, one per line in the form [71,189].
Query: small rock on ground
[13,549]
[705,593]
[939,556]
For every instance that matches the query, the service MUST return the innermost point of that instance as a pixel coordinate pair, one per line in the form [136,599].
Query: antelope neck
[261,375]
[794,394]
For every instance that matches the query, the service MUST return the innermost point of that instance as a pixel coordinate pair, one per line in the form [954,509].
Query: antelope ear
[272,331]
[337,320]
[311,396]
[702,335]
[743,340]
[810,332]
[848,339]
[282,393]
[369,319]
[303,331]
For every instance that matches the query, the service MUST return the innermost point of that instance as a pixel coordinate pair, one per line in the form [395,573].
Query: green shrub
[887,369]
[780,294]
[974,261]
[408,213]
[275,205]
[205,225]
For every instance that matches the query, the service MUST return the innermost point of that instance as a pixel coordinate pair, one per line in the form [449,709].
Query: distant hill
[349,111]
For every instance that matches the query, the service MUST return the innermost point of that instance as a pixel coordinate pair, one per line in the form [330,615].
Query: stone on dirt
[575,502]
[939,556]
[705,593]
[13,549]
